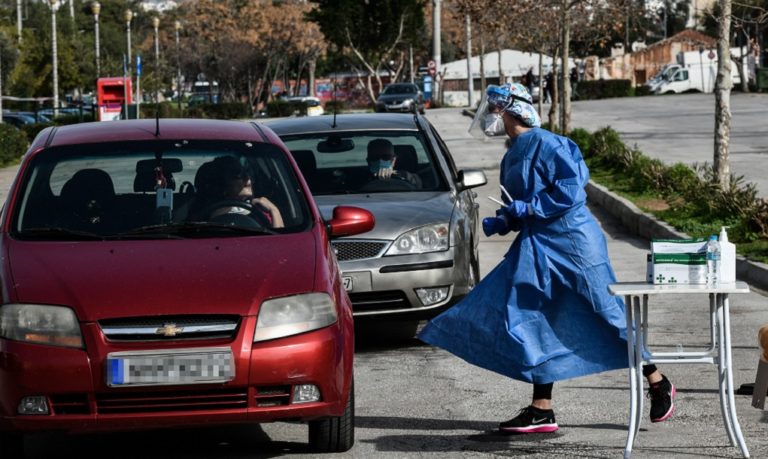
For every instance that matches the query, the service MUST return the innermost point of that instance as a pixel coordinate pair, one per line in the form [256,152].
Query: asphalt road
[417,401]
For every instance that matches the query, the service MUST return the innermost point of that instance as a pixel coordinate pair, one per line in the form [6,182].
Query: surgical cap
[514,99]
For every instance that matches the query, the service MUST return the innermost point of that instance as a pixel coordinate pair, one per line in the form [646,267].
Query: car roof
[348,122]
[169,129]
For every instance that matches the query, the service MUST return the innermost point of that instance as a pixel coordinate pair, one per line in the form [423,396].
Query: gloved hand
[516,209]
[494,225]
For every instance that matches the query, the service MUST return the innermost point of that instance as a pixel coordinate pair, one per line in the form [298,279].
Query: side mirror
[471,178]
[348,221]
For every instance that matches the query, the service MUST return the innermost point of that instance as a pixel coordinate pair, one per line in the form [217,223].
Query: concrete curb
[646,226]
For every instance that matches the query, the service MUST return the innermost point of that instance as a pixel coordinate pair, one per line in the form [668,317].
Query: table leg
[722,366]
[723,300]
[641,325]
[631,336]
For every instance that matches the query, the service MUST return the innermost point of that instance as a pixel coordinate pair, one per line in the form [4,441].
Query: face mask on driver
[376,166]
[494,124]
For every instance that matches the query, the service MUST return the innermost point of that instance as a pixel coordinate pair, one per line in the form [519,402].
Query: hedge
[604,89]
[226,111]
[13,144]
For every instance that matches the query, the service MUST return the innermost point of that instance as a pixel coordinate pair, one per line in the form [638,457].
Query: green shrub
[582,138]
[227,111]
[167,110]
[337,105]
[13,144]
[31,130]
[603,89]
[279,108]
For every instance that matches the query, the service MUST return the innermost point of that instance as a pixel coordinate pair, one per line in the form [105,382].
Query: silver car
[422,254]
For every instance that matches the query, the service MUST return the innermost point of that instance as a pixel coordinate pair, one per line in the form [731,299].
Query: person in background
[544,314]
[574,77]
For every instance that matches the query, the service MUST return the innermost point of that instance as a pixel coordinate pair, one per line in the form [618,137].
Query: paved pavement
[680,128]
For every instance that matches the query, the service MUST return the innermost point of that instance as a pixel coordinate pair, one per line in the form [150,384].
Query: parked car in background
[422,256]
[400,97]
[140,290]
[314,106]
[17,119]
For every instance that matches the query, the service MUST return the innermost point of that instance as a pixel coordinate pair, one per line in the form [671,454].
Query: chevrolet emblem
[169,330]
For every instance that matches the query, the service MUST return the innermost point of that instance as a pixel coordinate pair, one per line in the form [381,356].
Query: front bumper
[387,285]
[74,383]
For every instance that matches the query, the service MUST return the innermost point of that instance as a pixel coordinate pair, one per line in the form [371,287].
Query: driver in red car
[229,179]
[381,163]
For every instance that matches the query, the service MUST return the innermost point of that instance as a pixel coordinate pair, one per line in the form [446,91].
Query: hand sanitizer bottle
[727,259]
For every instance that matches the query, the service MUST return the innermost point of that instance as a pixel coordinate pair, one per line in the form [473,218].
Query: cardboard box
[679,261]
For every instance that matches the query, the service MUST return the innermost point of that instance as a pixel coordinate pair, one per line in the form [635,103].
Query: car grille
[175,401]
[70,404]
[168,328]
[376,301]
[273,396]
[358,250]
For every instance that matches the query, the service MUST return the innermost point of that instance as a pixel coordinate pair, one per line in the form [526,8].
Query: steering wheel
[187,187]
[254,213]
[393,183]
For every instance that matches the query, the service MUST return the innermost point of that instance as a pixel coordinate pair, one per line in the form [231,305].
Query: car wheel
[335,434]
[422,110]
[11,445]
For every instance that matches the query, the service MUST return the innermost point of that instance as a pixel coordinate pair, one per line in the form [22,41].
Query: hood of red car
[163,277]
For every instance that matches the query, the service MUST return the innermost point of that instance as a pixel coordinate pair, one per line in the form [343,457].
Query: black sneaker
[530,420]
[662,395]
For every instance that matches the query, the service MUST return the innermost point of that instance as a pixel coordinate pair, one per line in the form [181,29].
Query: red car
[166,273]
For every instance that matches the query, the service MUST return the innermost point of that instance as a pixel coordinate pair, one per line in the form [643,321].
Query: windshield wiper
[58,233]
[190,229]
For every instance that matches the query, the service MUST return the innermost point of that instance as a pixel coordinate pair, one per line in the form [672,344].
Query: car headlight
[292,315]
[430,238]
[40,324]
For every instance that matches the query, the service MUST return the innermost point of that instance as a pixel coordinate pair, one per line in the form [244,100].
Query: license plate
[187,366]
[347,281]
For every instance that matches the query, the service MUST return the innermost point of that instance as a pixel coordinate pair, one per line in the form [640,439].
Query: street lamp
[54,7]
[128,16]
[96,9]
[156,25]
[177,27]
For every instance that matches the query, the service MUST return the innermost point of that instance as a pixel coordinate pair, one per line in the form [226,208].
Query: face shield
[487,121]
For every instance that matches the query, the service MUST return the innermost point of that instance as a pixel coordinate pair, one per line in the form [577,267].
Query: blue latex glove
[516,209]
[495,225]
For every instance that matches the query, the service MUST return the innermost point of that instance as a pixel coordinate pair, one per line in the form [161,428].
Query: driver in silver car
[381,163]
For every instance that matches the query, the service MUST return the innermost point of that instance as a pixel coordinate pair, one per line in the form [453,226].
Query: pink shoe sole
[543,428]
[671,411]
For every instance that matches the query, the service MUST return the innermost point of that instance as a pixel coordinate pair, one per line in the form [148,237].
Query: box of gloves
[679,261]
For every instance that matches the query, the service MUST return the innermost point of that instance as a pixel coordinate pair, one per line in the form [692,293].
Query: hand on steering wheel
[255,214]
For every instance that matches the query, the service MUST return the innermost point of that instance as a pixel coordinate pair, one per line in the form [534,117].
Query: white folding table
[636,296]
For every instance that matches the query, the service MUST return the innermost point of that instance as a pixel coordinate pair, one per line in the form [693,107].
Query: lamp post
[18,18]
[96,9]
[128,16]
[156,25]
[177,27]
[54,7]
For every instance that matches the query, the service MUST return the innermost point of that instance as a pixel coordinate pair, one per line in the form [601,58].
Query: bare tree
[723,94]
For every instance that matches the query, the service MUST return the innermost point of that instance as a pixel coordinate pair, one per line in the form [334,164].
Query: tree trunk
[723,95]
[555,93]
[311,77]
[482,62]
[566,122]
[501,72]
[541,83]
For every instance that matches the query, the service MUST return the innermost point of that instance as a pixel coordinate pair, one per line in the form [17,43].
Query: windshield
[401,89]
[159,189]
[352,162]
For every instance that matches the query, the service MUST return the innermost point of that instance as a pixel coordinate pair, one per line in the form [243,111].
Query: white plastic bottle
[713,260]
[727,259]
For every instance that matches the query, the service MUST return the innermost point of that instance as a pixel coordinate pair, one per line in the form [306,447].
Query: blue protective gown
[544,314]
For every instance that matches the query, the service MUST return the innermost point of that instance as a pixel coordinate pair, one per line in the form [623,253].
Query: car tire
[334,434]
[422,110]
[11,445]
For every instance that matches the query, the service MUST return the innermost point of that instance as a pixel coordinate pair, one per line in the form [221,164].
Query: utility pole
[436,52]
[18,18]
[470,80]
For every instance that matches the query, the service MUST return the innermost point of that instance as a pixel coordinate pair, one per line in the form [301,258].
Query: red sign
[711,54]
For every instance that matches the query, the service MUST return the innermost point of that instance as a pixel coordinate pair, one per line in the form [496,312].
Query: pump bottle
[727,259]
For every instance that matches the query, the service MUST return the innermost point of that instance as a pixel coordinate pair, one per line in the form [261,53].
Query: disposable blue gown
[544,314]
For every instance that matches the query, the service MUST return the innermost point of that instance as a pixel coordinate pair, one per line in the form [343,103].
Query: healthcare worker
[544,314]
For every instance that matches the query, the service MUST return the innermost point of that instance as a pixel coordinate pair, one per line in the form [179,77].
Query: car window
[445,152]
[401,89]
[344,169]
[111,189]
